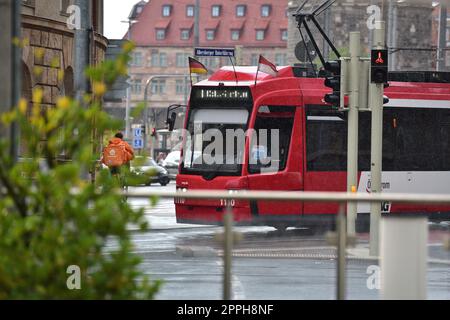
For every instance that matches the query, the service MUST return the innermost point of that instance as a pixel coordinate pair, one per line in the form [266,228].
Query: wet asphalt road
[266,265]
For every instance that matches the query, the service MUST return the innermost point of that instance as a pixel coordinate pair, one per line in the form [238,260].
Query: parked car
[147,168]
[171,163]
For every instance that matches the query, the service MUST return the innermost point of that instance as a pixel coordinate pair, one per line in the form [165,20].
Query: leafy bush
[52,217]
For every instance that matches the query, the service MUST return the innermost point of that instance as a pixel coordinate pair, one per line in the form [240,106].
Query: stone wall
[412,31]
[48,57]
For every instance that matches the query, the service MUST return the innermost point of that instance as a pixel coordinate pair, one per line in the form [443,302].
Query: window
[159,59]
[155,59]
[284,34]
[260,34]
[269,146]
[136,59]
[235,34]
[414,139]
[158,86]
[265,10]
[254,59]
[182,59]
[64,5]
[206,124]
[162,59]
[160,34]
[241,10]
[280,59]
[210,62]
[326,140]
[185,34]
[30,3]
[190,11]
[166,10]
[180,87]
[210,34]
[136,86]
[215,10]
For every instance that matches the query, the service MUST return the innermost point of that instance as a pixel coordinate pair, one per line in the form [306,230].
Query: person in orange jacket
[129,152]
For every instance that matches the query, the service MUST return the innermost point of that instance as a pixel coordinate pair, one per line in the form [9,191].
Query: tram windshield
[215,142]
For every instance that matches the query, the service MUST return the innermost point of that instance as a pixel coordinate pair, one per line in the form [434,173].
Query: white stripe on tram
[410,103]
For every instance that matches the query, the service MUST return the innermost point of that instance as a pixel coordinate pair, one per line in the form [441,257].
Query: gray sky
[115,12]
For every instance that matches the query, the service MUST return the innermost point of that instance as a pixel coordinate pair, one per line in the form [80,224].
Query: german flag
[197,67]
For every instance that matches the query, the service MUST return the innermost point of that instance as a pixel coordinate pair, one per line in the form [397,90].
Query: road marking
[237,289]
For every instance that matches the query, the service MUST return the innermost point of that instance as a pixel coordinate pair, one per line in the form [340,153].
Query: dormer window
[265,10]
[260,34]
[190,11]
[241,10]
[215,10]
[166,10]
[210,34]
[235,35]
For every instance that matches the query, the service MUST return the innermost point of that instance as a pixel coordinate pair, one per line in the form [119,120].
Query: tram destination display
[227,94]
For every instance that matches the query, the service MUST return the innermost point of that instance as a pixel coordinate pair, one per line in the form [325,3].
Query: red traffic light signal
[379,66]
[153,134]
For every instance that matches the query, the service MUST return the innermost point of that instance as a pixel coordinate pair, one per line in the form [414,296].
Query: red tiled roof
[262,24]
[186,24]
[162,24]
[144,32]
[236,24]
[211,25]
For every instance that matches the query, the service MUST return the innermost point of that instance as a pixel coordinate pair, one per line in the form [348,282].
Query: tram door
[275,159]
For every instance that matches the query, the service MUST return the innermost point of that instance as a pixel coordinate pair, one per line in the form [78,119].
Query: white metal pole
[403,258]
[352,147]
[376,106]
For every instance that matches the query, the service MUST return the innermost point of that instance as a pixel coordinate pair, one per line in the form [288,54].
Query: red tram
[308,151]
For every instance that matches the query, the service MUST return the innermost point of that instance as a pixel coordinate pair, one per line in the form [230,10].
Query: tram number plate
[180,200]
[227,202]
[385,207]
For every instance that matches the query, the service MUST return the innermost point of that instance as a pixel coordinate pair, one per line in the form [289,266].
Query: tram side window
[326,141]
[413,140]
[416,137]
[271,139]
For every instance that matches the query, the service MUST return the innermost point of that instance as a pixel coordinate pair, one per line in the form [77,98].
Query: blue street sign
[138,143]
[214,52]
[138,132]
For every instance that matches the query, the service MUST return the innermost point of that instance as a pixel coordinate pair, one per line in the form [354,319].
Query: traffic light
[379,66]
[333,82]
[153,134]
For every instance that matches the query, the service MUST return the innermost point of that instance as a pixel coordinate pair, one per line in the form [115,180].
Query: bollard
[403,258]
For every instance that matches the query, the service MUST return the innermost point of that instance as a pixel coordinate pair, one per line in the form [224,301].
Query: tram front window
[215,143]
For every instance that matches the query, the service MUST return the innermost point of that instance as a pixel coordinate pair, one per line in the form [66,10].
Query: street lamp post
[128,94]
[146,122]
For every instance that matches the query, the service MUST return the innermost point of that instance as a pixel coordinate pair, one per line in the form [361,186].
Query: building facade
[411,30]
[164,32]
[49,47]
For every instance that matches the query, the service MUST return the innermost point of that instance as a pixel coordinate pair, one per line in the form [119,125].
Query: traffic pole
[376,91]
[352,141]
